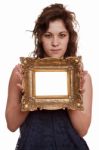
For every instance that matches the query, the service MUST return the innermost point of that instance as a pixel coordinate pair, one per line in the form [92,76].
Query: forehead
[56,26]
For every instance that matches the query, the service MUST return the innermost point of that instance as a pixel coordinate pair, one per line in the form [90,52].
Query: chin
[57,56]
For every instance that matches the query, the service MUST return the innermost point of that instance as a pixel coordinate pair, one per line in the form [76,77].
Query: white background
[17,16]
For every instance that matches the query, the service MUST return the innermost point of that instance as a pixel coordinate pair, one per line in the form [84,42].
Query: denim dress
[49,130]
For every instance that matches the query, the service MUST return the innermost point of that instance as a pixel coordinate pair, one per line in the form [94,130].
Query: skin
[55,42]
[55,39]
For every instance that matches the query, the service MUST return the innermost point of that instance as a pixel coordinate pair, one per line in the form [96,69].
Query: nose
[55,41]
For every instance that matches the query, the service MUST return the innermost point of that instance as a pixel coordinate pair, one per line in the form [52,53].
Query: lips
[55,51]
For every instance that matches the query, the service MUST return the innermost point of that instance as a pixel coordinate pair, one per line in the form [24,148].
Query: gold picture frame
[36,70]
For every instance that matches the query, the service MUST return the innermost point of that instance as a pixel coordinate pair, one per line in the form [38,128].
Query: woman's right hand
[19,74]
[14,116]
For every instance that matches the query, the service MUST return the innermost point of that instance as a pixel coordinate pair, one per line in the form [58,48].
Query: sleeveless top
[49,130]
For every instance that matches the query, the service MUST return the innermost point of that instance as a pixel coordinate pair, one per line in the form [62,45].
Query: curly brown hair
[52,13]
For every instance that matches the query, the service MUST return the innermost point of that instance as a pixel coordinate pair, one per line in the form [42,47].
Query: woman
[55,36]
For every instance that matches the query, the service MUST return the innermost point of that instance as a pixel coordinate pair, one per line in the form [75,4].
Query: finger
[19,68]
[20,88]
[81,91]
[20,77]
[85,72]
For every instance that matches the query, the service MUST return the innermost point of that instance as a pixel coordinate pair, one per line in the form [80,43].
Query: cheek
[66,43]
[46,44]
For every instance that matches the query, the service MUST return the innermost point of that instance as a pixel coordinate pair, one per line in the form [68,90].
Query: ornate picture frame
[36,70]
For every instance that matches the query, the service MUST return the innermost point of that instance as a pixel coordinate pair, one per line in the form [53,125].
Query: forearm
[80,121]
[15,117]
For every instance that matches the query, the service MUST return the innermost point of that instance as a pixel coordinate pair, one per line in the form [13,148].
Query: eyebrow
[59,32]
[63,32]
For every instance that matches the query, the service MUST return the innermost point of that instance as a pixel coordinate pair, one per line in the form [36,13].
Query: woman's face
[55,39]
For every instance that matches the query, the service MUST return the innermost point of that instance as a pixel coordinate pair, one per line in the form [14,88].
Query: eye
[62,35]
[47,35]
